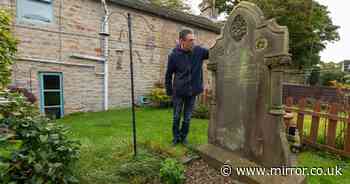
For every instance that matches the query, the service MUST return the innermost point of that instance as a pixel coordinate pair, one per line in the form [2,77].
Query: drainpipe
[105,34]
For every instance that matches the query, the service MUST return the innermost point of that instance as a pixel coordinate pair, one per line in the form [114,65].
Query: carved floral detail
[239,28]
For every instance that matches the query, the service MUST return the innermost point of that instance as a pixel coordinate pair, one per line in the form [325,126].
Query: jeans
[185,104]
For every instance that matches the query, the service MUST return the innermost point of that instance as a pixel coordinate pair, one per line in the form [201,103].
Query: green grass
[314,158]
[106,139]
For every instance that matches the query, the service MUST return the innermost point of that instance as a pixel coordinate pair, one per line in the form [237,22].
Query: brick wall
[75,31]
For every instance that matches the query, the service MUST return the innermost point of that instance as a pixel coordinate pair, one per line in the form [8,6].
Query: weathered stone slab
[223,156]
[247,64]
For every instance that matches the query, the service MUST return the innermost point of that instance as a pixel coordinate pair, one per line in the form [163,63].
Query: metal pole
[132,85]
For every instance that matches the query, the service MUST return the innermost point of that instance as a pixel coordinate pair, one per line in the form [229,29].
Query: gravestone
[247,64]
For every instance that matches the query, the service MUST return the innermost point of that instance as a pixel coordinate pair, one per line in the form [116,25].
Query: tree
[7,48]
[331,72]
[173,4]
[309,23]
[328,76]
[314,77]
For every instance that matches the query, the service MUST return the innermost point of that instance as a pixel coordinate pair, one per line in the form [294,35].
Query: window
[35,10]
[51,93]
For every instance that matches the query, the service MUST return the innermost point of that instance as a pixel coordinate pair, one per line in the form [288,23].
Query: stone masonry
[71,44]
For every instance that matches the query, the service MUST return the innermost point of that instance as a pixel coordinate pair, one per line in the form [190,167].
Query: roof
[175,15]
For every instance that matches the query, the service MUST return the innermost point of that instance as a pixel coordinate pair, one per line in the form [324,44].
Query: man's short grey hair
[183,33]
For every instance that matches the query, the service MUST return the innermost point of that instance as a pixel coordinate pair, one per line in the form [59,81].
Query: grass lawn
[321,159]
[106,139]
[106,143]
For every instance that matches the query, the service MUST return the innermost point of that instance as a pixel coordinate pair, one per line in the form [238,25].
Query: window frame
[22,16]
[42,92]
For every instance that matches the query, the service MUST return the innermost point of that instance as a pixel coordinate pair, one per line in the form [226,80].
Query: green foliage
[317,158]
[33,150]
[7,48]
[159,97]
[45,154]
[24,91]
[201,112]
[331,66]
[314,77]
[144,168]
[173,4]
[346,78]
[310,28]
[324,73]
[172,172]
[157,148]
[328,76]
[18,107]
[151,165]
[225,5]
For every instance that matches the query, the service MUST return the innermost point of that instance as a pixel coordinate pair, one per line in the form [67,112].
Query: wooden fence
[323,93]
[323,126]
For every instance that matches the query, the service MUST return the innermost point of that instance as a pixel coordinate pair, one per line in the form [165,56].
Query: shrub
[159,97]
[314,76]
[172,172]
[29,95]
[201,112]
[18,107]
[44,154]
[326,77]
[33,149]
[7,48]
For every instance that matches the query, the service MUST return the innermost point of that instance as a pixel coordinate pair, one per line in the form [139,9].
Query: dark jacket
[187,67]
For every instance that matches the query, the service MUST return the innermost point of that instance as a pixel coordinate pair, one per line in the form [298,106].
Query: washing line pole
[132,85]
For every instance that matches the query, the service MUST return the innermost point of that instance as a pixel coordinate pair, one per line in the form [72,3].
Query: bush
[33,150]
[314,77]
[172,172]
[18,107]
[30,96]
[7,48]
[201,112]
[159,97]
[43,155]
[326,77]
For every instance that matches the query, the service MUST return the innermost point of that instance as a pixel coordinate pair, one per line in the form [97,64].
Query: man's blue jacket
[187,67]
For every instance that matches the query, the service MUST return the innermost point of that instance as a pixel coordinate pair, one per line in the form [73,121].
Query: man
[185,62]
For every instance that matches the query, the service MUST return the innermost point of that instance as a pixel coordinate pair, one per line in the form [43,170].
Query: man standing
[185,62]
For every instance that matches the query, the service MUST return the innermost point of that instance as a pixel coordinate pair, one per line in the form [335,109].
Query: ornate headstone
[207,8]
[247,63]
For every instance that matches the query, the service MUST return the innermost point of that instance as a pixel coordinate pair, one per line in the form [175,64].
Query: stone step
[222,158]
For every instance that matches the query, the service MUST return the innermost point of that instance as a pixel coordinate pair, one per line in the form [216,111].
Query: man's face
[188,42]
